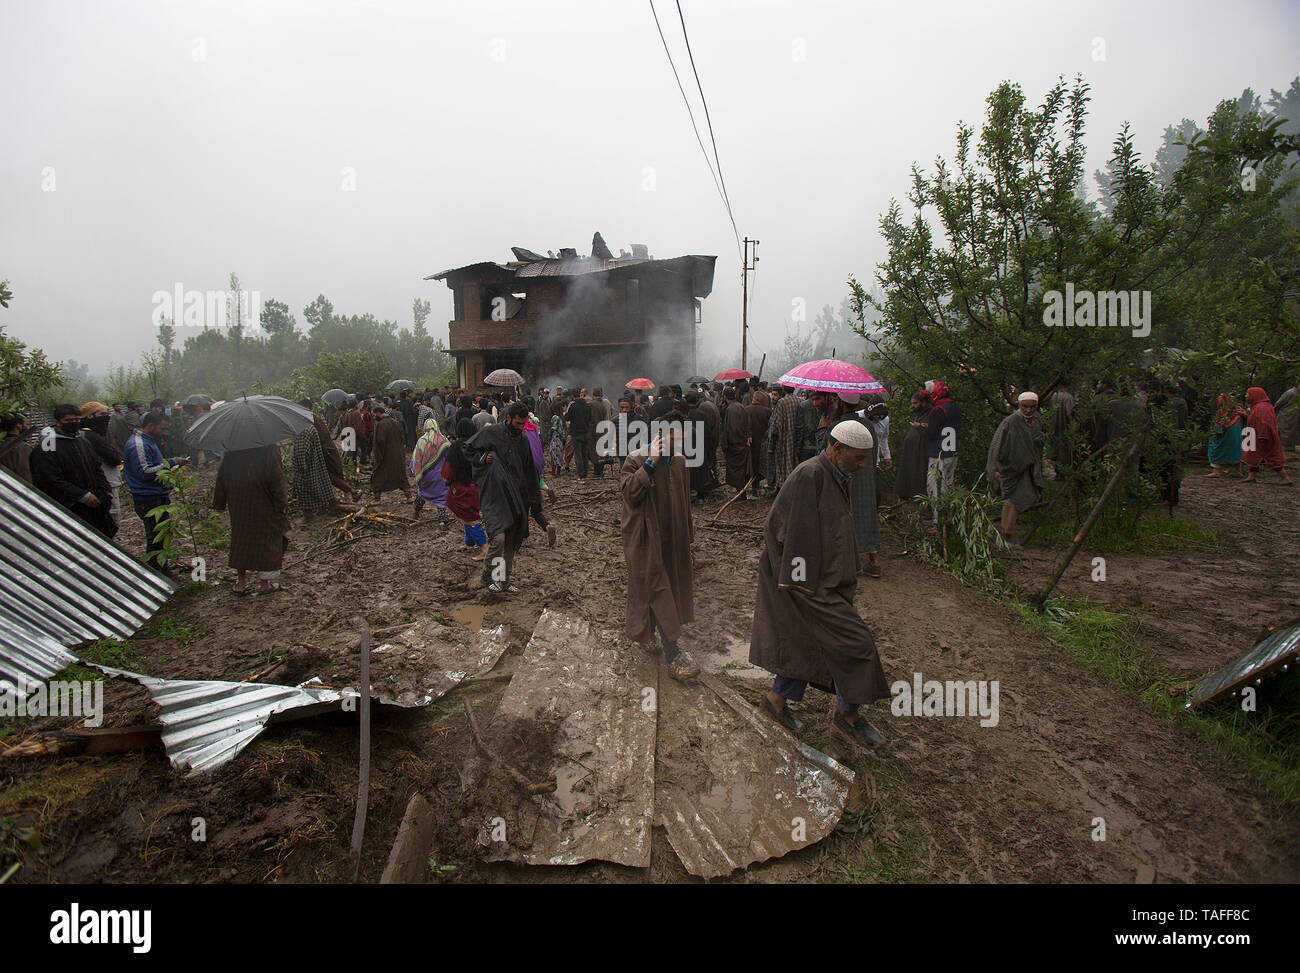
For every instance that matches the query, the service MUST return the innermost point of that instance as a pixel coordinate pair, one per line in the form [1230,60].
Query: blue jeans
[792,690]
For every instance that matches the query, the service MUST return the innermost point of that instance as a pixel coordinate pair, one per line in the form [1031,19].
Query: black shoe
[861,733]
[782,715]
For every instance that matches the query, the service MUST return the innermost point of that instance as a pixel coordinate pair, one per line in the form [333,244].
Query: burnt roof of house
[700,267]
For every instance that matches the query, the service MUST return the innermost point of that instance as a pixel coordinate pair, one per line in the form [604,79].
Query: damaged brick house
[578,320]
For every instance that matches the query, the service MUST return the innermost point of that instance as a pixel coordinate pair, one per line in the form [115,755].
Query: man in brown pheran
[806,629]
[389,456]
[657,536]
[736,442]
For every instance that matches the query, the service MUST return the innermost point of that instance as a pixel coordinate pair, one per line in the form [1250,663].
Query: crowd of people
[483,460]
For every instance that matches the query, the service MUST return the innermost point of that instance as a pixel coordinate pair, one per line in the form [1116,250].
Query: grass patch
[1155,531]
[105,652]
[1267,740]
[1098,637]
[171,629]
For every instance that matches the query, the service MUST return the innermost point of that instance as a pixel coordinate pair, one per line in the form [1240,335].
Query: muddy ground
[944,800]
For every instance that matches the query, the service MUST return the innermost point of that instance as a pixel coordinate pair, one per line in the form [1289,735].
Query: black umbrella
[198,398]
[398,384]
[246,423]
[336,396]
[696,380]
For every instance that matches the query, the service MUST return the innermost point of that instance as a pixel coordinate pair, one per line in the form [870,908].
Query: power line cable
[707,119]
[698,138]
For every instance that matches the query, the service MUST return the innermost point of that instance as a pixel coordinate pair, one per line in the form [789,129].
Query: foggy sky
[472,127]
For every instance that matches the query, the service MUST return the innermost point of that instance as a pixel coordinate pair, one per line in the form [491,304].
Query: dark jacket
[67,473]
[508,485]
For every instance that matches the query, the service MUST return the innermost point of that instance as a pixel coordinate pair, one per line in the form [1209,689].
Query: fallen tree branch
[732,500]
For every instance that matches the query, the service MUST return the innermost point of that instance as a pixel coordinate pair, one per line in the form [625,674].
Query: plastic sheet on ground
[734,788]
[595,695]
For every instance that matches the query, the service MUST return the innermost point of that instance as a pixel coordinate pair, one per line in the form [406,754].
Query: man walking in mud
[507,488]
[657,536]
[806,629]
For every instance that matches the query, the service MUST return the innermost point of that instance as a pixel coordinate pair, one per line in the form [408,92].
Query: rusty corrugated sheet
[734,788]
[62,583]
[592,692]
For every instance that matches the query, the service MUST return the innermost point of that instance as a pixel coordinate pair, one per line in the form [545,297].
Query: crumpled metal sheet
[734,788]
[206,723]
[429,660]
[27,657]
[605,746]
[1268,657]
[62,579]
[61,584]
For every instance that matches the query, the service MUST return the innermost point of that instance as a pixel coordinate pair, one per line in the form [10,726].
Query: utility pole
[744,300]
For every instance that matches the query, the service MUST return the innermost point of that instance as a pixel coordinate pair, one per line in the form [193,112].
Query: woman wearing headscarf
[555,446]
[1225,440]
[427,459]
[462,493]
[1262,437]
[534,436]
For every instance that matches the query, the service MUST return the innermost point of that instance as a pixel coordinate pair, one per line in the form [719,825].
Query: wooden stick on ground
[363,786]
[528,786]
[1040,599]
[732,500]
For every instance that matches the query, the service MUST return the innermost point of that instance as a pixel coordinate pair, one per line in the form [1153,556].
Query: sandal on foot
[861,733]
[683,667]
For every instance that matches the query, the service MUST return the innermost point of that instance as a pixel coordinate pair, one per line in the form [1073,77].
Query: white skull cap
[852,433]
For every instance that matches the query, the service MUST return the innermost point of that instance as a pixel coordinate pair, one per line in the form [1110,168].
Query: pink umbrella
[640,383]
[732,375]
[830,375]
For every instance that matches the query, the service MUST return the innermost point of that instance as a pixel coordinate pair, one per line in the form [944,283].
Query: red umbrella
[640,383]
[731,374]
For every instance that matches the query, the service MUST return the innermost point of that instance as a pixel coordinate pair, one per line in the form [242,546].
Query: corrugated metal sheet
[576,268]
[63,578]
[206,722]
[1270,657]
[62,584]
[579,680]
[28,657]
[481,265]
[754,792]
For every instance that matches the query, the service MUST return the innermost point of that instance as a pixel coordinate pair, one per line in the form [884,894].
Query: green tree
[167,338]
[276,318]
